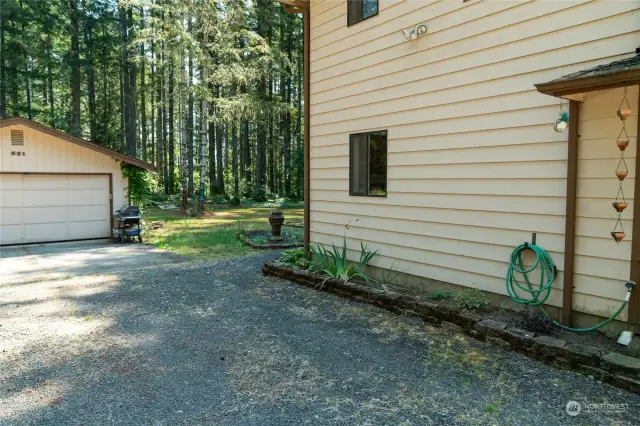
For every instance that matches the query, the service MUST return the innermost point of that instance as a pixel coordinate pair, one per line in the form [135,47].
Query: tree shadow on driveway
[221,344]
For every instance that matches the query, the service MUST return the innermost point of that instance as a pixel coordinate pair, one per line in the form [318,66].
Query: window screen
[368,164]
[359,10]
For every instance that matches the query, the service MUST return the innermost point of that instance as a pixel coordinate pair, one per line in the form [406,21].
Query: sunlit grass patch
[214,235]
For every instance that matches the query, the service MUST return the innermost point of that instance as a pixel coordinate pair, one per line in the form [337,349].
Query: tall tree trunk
[52,108]
[131,67]
[286,122]
[3,84]
[105,94]
[234,163]
[204,116]
[89,70]
[27,73]
[172,143]
[160,121]
[247,149]
[124,78]
[219,157]
[213,180]
[152,69]
[190,113]
[143,98]
[75,70]
[183,132]
[299,137]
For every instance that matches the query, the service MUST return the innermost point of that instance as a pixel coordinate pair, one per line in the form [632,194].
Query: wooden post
[307,144]
[570,219]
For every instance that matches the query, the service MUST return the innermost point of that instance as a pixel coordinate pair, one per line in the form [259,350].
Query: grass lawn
[214,235]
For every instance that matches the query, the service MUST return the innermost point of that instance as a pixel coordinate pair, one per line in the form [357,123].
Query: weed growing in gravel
[491,409]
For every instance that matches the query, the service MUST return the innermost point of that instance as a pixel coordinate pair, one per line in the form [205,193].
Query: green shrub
[296,258]
[439,295]
[260,240]
[334,263]
[471,299]
[259,193]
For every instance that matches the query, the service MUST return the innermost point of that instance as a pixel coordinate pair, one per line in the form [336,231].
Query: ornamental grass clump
[334,262]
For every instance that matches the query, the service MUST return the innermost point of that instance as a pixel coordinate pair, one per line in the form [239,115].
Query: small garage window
[368,164]
[359,10]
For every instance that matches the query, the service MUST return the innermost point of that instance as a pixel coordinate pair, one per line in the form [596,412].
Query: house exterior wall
[600,263]
[474,166]
[48,154]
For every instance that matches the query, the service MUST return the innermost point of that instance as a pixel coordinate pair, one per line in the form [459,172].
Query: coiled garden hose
[539,294]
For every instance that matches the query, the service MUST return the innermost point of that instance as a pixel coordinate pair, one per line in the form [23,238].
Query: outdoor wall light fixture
[414,33]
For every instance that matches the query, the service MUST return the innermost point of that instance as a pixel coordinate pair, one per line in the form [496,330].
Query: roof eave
[300,4]
[589,84]
[78,141]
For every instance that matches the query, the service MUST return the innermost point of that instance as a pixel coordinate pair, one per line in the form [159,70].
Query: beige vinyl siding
[599,260]
[48,154]
[474,166]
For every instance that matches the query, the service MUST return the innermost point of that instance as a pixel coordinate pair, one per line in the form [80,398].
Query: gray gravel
[221,344]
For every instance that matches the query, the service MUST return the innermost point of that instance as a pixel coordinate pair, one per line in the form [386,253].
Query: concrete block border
[617,369]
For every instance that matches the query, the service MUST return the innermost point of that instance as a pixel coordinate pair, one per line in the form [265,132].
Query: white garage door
[41,207]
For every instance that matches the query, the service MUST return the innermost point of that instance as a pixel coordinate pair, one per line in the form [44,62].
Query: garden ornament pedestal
[276,219]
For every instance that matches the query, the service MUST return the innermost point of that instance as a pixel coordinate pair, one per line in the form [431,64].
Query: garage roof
[78,141]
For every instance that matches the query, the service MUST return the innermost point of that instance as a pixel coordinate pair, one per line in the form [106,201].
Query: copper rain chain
[622,171]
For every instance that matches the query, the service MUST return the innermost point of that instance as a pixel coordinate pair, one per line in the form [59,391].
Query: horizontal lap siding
[599,259]
[474,167]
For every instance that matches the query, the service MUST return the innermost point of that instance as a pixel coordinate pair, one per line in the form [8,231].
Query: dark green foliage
[296,258]
[141,184]
[440,295]
[536,322]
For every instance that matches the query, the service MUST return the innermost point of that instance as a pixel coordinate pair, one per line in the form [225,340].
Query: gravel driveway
[221,344]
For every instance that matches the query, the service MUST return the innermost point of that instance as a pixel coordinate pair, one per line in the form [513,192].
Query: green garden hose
[536,296]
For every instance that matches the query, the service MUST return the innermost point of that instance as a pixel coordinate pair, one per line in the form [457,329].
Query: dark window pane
[378,163]
[358,164]
[354,12]
[358,10]
[370,8]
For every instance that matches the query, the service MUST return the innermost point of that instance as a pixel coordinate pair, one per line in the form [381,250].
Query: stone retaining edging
[619,370]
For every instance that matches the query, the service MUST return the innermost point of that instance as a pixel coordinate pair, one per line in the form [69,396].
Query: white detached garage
[56,187]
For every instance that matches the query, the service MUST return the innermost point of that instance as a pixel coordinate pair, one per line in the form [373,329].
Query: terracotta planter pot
[621,175]
[622,144]
[276,219]
[618,236]
[619,206]
[624,113]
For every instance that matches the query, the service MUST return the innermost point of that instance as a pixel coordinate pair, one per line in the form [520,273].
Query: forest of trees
[210,91]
